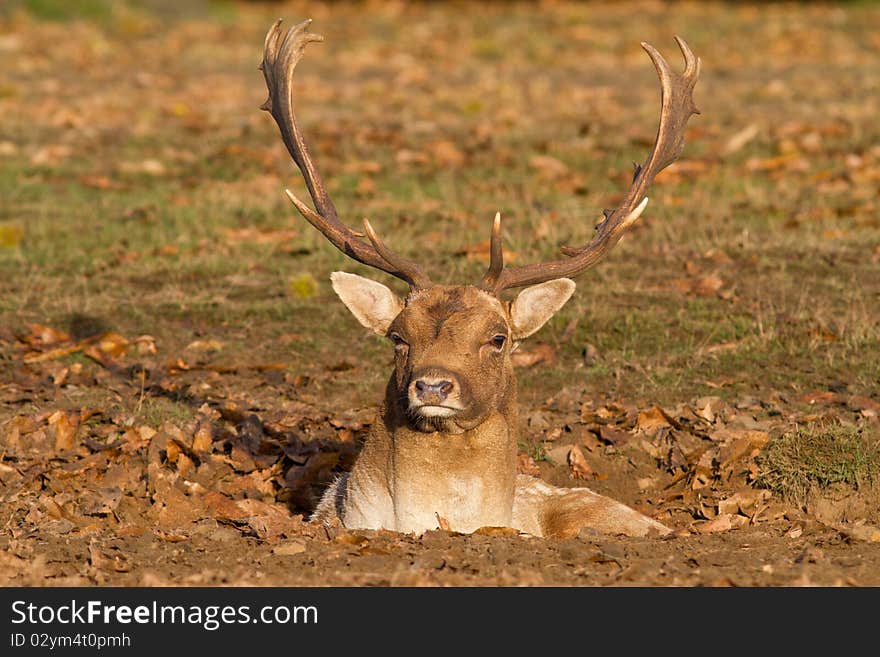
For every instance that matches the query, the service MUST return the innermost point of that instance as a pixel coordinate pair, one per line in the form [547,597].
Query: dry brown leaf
[722,523]
[823,397]
[548,166]
[865,405]
[203,438]
[269,521]
[740,139]
[101,182]
[862,532]
[148,166]
[708,285]
[747,444]
[614,436]
[41,335]
[525,464]
[541,353]
[366,187]
[489,530]
[351,538]
[221,507]
[65,426]
[405,157]
[708,408]
[446,154]
[481,251]
[169,537]
[745,502]
[108,559]
[578,465]
[234,236]
[106,348]
[652,419]
[52,354]
[205,345]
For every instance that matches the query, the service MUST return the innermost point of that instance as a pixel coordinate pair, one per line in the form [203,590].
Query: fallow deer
[442,451]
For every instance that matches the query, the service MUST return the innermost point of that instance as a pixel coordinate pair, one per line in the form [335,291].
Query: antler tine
[676,107]
[414,273]
[281,54]
[496,256]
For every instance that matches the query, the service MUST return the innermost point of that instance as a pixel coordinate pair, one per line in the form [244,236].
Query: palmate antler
[282,53]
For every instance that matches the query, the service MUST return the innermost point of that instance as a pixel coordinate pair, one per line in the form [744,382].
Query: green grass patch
[820,456]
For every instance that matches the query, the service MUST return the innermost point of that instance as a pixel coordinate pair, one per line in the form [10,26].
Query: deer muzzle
[434,393]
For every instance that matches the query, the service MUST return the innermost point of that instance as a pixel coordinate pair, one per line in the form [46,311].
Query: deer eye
[396,340]
[498,341]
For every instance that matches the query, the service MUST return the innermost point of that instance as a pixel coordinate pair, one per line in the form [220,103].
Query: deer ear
[373,304]
[536,304]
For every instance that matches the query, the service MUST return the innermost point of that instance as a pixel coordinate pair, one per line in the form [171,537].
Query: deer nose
[432,390]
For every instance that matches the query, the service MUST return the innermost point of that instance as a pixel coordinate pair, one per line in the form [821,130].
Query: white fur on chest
[462,500]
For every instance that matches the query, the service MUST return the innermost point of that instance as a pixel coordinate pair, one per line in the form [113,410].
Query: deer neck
[464,475]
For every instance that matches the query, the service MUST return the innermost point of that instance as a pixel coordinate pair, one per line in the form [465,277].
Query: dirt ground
[178,383]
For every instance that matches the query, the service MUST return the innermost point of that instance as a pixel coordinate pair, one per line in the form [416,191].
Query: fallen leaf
[746,502]
[865,405]
[614,436]
[108,559]
[708,286]
[65,426]
[446,154]
[203,438]
[101,182]
[740,139]
[221,507]
[548,166]
[823,397]
[541,353]
[496,531]
[366,187]
[645,483]
[148,166]
[653,419]
[205,345]
[351,538]
[481,251]
[708,408]
[862,532]
[41,335]
[722,523]
[235,236]
[578,465]
[525,464]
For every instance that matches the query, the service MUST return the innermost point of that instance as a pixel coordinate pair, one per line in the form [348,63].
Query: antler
[676,107]
[281,54]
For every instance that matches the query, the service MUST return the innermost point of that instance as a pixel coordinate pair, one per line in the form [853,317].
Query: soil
[224,500]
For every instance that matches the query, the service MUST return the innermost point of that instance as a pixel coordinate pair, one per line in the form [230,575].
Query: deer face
[452,344]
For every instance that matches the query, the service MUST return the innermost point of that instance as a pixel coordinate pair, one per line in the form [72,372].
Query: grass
[92,229]
[821,456]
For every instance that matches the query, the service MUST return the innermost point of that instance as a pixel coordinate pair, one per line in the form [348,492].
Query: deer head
[452,344]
